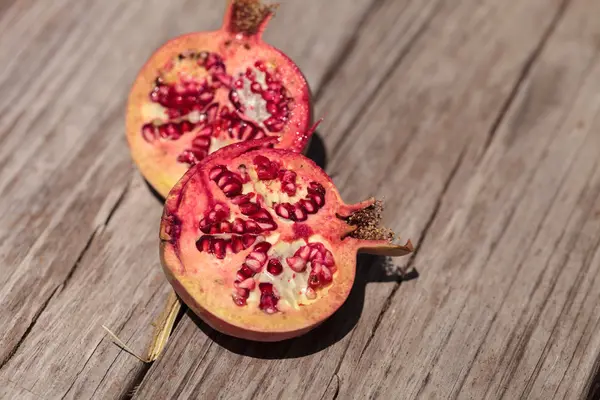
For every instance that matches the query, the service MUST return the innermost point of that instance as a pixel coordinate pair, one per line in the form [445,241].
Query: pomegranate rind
[157,160]
[204,283]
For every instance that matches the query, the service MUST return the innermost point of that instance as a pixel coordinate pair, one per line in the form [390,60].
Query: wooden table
[477,120]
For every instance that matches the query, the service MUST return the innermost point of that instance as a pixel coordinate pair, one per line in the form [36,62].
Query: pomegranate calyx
[366,223]
[364,226]
[248,17]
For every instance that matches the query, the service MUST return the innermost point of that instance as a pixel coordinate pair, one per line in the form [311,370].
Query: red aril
[202,91]
[258,243]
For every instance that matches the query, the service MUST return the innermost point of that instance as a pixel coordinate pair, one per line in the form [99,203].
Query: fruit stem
[248,17]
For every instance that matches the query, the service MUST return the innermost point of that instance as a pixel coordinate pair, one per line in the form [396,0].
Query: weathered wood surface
[478,121]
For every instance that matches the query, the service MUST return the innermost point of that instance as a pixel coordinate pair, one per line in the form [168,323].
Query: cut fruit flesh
[202,91]
[256,252]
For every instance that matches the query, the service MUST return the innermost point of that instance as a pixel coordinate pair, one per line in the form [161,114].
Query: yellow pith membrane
[203,91]
[257,241]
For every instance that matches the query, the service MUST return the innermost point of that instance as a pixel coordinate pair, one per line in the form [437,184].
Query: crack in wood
[568,302]
[592,385]
[88,244]
[524,74]
[81,370]
[517,355]
[61,286]
[34,320]
[346,49]
[335,377]
[413,256]
[386,75]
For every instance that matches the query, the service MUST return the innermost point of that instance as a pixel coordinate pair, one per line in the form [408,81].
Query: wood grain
[77,233]
[476,121]
[429,125]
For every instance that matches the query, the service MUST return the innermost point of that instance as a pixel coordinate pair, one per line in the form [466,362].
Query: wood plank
[504,264]
[77,229]
[425,126]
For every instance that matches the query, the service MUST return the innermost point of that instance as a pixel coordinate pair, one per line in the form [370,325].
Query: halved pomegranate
[205,90]
[258,243]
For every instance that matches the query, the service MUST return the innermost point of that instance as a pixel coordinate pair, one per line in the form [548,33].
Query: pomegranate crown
[248,17]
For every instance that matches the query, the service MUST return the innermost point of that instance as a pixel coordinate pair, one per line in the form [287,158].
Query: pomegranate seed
[271,95]
[174,113]
[315,187]
[252,227]
[328,259]
[249,208]
[268,300]
[186,126]
[275,86]
[232,189]
[296,263]
[326,275]
[316,198]
[315,267]
[240,301]
[204,244]
[242,199]
[216,172]
[313,253]
[239,83]
[262,247]
[299,214]
[250,74]
[248,283]
[201,142]
[313,280]
[303,252]
[236,244]
[204,225]
[282,211]
[272,107]
[265,169]
[253,264]
[255,87]
[261,215]
[258,256]
[238,226]
[260,66]
[149,132]
[211,112]
[246,272]
[308,206]
[219,248]
[206,97]
[225,227]
[277,126]
[163,132]
[187,157]
[267,225]
[274,267]
[248,240]
[199,153]
[269,122]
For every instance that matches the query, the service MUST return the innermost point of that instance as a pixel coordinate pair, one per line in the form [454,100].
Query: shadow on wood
[369,269]
[154,193]
[316,150]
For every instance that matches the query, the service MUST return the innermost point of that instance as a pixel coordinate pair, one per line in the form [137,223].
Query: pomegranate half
[258,243]
[202,91]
